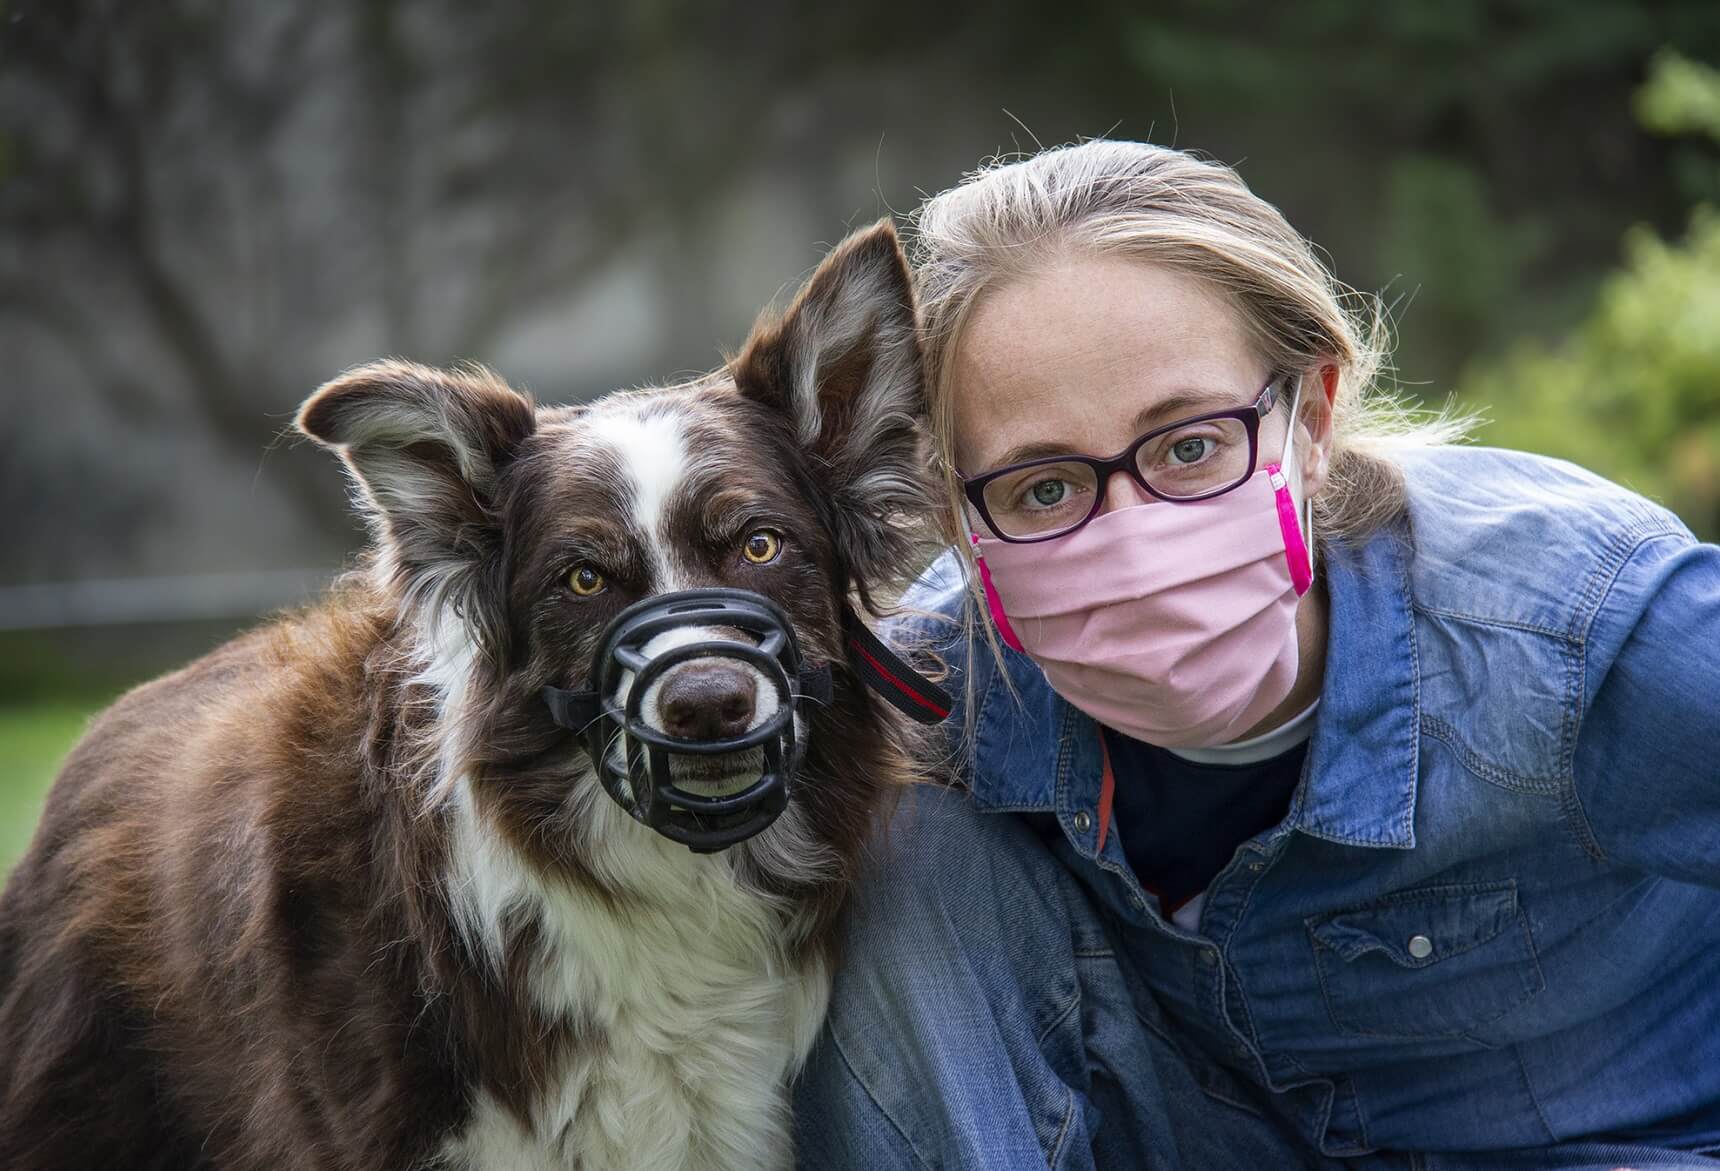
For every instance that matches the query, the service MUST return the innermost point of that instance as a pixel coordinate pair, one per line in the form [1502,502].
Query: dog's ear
[843,366]
[425,448]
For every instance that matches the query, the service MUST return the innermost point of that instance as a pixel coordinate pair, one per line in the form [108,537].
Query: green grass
[34,739]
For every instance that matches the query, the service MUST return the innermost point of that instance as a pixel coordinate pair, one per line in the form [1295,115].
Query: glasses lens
[1197,458]
[1040,501]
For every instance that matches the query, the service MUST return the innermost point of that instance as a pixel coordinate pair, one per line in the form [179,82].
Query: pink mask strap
[1107,791]
[993,602]
[1295,550]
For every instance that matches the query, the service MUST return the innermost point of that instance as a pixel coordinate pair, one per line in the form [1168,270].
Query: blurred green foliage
[1474,161]
[1466,259]
[1681,97]
[34,738]
[1633,391]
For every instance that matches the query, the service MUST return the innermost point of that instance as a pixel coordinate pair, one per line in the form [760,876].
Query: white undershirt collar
[1256,748]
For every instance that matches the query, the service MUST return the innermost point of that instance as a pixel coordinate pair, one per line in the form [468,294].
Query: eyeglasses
[1191,459]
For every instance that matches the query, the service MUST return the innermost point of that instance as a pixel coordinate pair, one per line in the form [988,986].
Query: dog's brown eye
[761,547]
[585,581]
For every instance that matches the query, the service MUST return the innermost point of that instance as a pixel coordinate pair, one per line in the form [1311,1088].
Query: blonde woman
[1333,796]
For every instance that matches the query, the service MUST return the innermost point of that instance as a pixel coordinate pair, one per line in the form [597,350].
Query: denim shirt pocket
[1436,962]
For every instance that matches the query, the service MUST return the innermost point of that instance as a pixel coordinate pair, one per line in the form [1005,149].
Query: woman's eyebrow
[1022,452]
[1176,405]
[1184,404]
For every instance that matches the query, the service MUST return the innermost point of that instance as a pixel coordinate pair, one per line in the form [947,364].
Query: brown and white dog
[342,893]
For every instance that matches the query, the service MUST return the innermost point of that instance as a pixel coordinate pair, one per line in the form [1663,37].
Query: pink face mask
[1172,623]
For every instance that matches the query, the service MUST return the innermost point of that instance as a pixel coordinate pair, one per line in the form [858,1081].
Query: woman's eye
[762,547]
[1048,493]
[1190,451]
[585,581]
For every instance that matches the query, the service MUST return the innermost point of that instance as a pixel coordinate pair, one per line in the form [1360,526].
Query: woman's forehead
[1080,353]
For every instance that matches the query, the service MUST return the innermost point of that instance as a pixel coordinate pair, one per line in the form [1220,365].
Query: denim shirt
[1491,918]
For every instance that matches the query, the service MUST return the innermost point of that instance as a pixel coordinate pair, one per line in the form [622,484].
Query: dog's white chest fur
[694,1017]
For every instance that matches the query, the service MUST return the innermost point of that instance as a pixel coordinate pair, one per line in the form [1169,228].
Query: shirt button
[1209,957]
[1420,946]
[1083,821]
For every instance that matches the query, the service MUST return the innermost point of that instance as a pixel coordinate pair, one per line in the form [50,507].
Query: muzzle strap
[572,710]
[814,684]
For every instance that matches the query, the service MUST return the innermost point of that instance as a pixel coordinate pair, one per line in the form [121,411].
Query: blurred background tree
[1633,391]
[207,207]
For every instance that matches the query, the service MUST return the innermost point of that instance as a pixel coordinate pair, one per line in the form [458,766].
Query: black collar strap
[887,673]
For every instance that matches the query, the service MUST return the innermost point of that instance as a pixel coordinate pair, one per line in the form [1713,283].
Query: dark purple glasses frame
[1124,461]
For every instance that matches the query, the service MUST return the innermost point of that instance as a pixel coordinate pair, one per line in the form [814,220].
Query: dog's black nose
[707,701]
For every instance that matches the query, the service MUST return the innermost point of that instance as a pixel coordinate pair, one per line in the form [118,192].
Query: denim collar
[1031,748]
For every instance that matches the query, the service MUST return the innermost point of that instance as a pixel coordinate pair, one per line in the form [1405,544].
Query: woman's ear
[1314,426]
[424,448]
[843,365]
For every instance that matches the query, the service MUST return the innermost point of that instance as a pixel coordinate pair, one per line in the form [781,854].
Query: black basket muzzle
[642,782]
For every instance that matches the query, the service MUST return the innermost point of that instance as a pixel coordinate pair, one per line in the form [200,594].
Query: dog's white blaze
[697,1016]
[652,451]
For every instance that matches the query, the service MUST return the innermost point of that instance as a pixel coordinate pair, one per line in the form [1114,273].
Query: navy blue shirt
[1180,822]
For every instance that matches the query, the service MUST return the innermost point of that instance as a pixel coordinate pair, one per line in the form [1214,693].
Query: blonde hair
[1168,207]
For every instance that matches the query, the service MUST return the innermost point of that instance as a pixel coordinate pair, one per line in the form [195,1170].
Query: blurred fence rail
[133,601]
